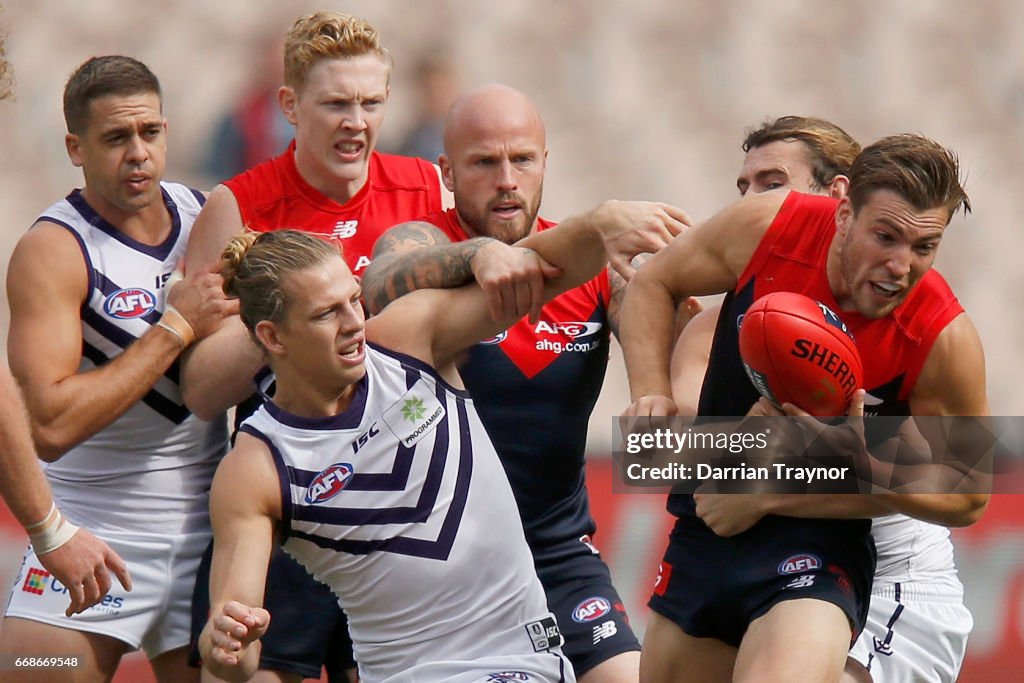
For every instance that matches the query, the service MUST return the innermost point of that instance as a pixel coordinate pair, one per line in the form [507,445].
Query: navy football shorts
[308,630]
[588,608]
[714,587]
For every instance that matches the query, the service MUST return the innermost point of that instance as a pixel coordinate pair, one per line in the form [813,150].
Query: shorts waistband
[920,591]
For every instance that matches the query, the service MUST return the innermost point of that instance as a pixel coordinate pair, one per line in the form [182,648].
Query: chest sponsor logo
[508,677]
[345,229]
[414,415]
[361,263]
[329,483]
[573,330]
[129,303]
[591,609]
[567,337]
[798,564]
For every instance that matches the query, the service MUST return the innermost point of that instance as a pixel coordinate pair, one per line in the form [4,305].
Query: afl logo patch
[129,303]
[329,483]
[591,609]
[797,564]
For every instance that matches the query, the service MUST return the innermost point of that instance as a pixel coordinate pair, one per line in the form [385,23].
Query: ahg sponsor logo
[573,330]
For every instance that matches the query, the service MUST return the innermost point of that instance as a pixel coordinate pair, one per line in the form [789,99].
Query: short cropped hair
[102,76]
[923,172]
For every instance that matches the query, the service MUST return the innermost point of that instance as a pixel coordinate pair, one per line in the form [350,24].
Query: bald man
[535,384]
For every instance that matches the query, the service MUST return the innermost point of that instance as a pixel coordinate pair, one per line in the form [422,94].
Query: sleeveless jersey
[535,387]
[400,505]
[157,456]
[273,196]
[791,257]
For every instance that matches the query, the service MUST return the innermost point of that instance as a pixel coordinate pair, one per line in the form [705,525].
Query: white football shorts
[916,633]
[155,615]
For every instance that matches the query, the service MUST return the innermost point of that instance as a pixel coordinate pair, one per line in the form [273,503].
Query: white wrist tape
[31,527]
[176,277]
[175,323]
[55,534]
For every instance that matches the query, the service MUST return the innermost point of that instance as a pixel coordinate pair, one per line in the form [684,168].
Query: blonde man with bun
[403,507]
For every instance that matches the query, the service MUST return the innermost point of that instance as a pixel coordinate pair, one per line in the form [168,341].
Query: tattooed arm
[418,255]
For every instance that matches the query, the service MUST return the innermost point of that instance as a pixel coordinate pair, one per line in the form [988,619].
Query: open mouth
[506,210]
[350,150]
[138,181]
[886,290]
[354,352]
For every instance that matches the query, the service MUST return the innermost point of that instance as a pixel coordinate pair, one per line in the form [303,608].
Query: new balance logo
[801,581]
[604,630]
[344,229]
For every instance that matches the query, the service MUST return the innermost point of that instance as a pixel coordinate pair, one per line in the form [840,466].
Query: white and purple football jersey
[157,456]
[401,506]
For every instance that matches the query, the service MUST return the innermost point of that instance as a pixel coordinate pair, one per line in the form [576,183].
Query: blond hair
[831,150]
[328,35]
[254,265]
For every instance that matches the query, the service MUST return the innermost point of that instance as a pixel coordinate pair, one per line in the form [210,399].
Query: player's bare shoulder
[406,237]
[952,380]
[50,252]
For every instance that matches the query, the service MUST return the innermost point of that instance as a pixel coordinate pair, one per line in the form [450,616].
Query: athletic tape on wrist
[53,508]
[176,277]
[174,321]
[53,536]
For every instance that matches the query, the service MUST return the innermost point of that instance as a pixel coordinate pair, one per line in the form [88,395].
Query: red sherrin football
[797,350]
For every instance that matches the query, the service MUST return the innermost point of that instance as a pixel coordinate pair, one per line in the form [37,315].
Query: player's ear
[74,146]
[267,334]
[288,99]
[839,187]
[844,215]
[446,172]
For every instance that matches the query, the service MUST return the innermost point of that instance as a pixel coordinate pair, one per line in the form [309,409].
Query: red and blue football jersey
[535,386]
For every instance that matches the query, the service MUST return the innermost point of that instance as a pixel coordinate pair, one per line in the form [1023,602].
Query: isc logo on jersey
[129,303]
[798,564]
[591,609]
[329,483]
